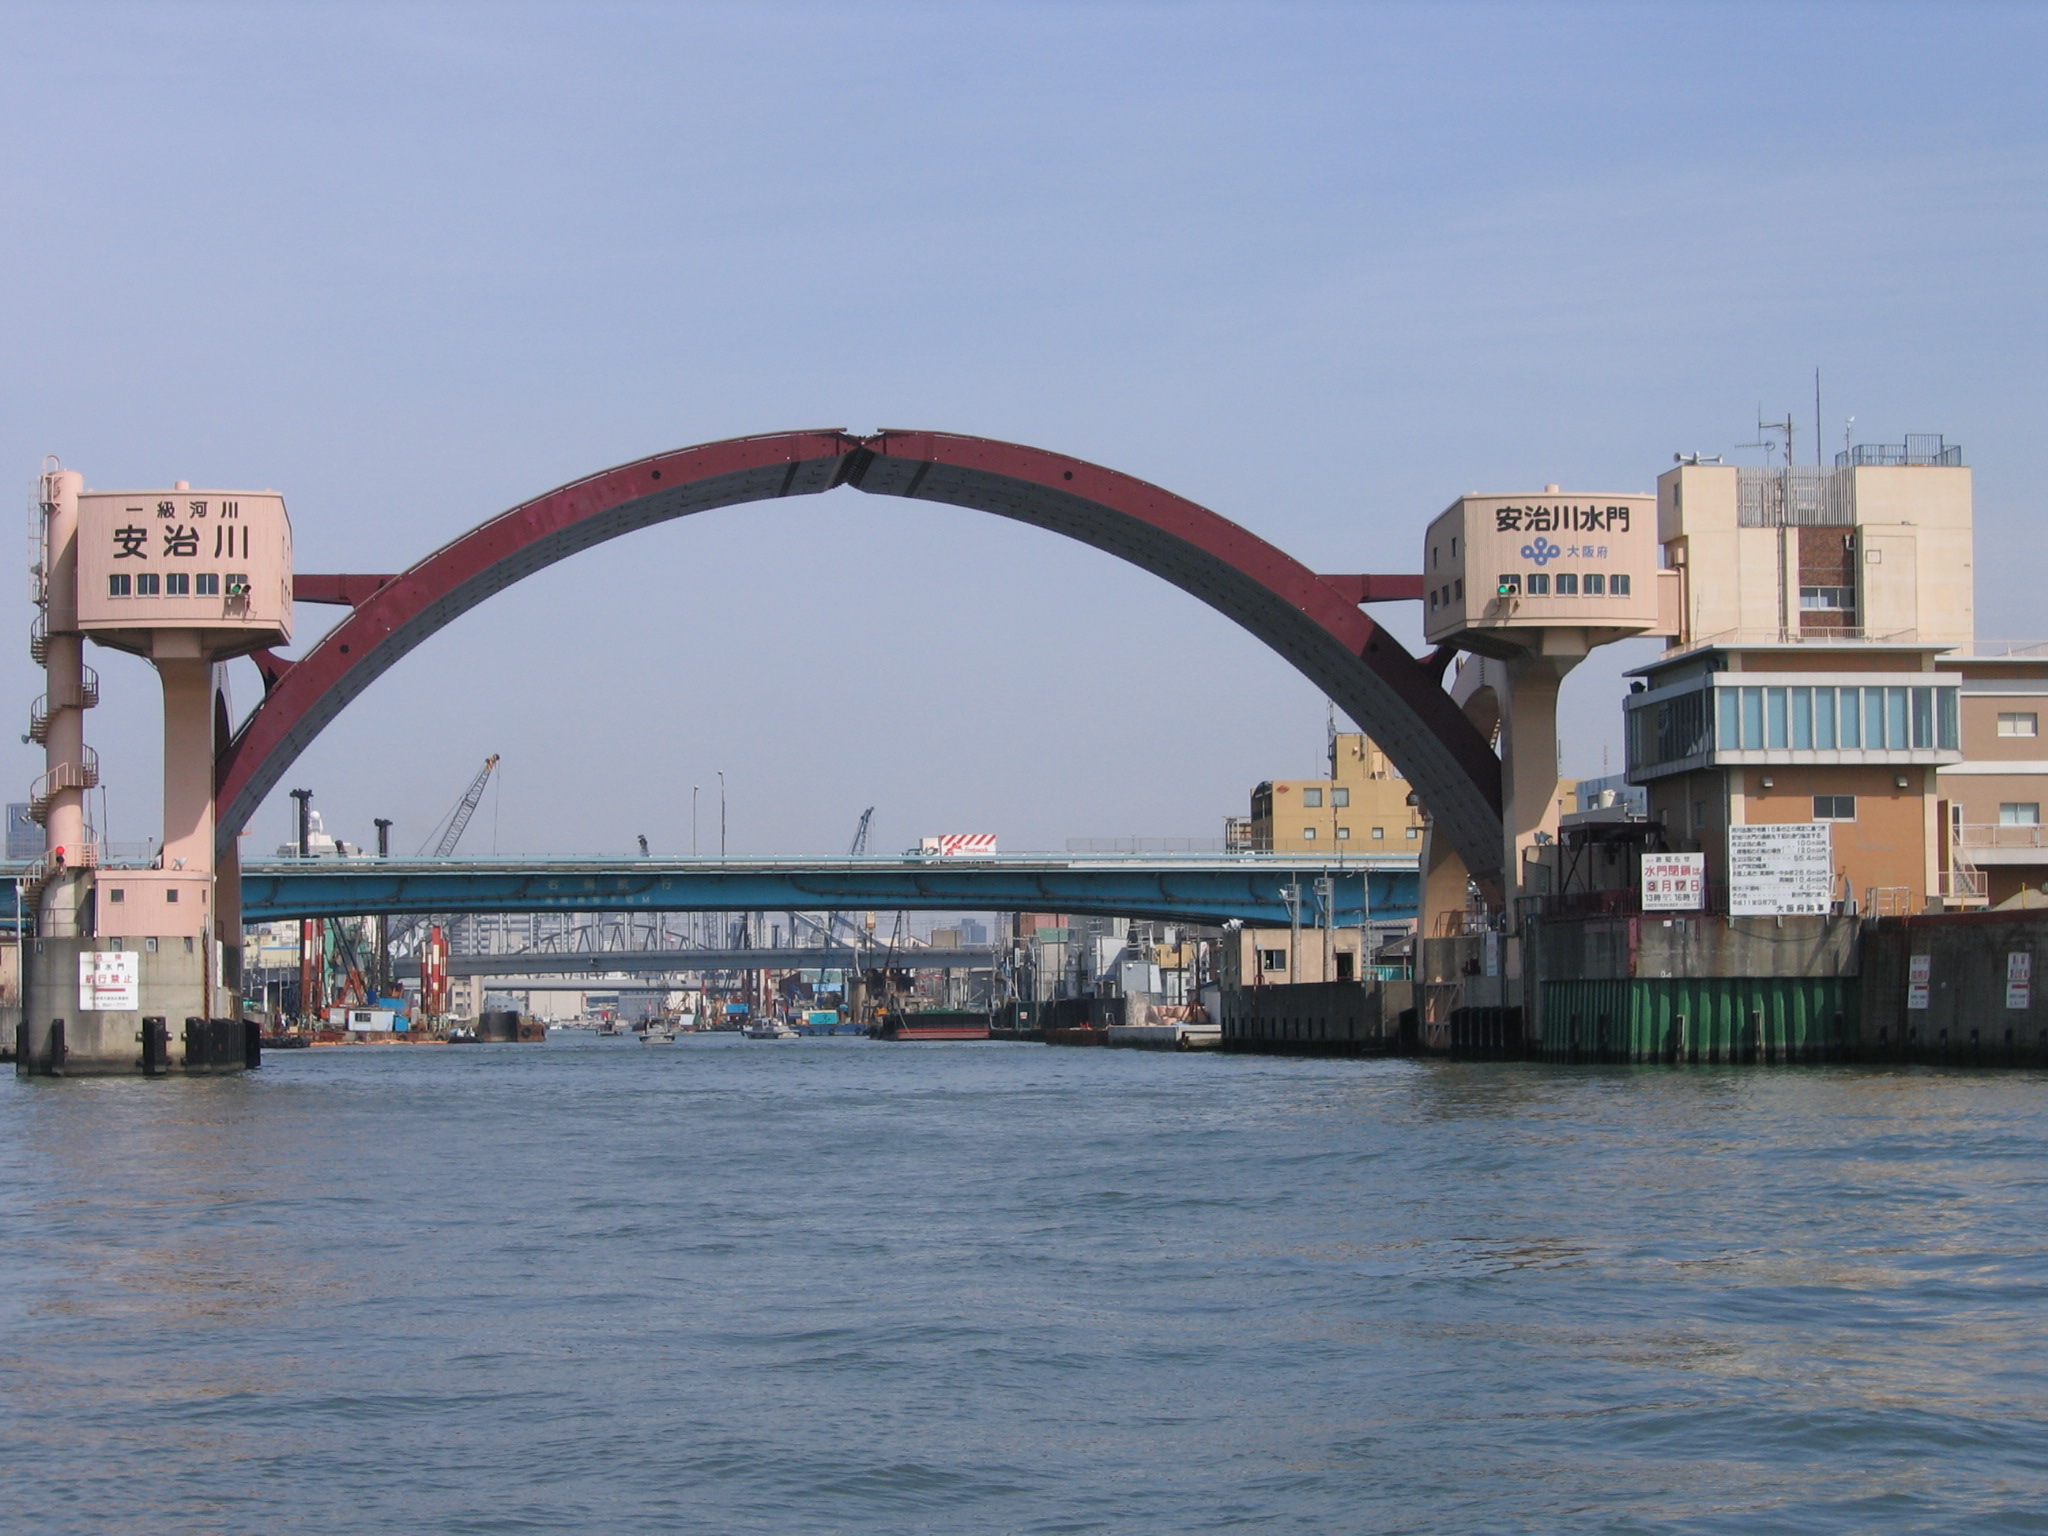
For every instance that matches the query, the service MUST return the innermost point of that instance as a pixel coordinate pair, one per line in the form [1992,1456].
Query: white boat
[657,1034]
[769,1029]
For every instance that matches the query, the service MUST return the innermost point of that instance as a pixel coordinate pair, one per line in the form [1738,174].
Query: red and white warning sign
[958,844]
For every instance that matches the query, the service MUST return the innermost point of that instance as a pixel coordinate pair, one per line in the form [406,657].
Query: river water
[837,1286]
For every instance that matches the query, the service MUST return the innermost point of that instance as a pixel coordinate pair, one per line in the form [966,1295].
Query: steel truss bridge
[1254,888]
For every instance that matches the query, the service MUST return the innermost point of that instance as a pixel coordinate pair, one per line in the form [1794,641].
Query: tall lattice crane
[405,937]
[854,850]
[458,819]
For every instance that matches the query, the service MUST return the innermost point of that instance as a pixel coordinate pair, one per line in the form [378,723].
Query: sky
[1320,268]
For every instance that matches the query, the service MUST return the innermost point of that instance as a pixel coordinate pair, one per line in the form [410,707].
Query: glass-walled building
[1778,733]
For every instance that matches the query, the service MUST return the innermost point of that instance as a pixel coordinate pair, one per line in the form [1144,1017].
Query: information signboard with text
[1782,870]
[1674,882]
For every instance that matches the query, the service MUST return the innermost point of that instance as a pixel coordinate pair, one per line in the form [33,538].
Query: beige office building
[1824,670]
[1362,807]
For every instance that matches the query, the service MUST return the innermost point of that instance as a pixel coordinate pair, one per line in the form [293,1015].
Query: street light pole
[721,813]
[693,821]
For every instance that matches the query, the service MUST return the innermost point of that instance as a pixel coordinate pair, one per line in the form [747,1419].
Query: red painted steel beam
[1377,589]
[456,577]
[1313,622]
[346,591]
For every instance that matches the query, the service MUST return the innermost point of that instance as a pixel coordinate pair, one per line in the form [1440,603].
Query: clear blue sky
[1322,268]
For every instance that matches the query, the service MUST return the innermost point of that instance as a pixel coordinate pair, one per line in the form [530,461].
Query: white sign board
[109,981]
[1674,882]
[1919,980]
[2019,979]
[1786,870]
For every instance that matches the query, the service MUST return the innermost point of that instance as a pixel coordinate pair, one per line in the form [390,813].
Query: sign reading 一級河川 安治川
[1787,870]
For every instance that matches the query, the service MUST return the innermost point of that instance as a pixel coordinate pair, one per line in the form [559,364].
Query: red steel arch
[1314,622]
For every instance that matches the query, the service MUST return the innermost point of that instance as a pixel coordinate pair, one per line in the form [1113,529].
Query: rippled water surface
[836,1286]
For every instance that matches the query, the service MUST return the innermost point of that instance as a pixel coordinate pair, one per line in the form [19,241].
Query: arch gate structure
[1314,621]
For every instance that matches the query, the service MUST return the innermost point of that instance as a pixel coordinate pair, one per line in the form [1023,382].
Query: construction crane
[458,819]
[457,823]
[854,850]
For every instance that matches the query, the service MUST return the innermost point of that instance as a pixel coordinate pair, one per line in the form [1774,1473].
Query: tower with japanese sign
[187,579]
[1529,585]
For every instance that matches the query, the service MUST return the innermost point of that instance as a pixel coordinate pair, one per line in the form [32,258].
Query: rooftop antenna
[1817,419]
[1848,430]
[1763,428]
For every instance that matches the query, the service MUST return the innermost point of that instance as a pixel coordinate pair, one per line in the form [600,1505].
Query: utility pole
[305,799]
[1291,895]
[1326,914]
[1365,952]
[383,976]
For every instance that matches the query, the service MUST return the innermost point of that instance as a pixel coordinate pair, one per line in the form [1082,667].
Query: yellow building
[1363,806]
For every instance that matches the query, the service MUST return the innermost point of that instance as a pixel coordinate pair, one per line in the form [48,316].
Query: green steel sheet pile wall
[1764,1020]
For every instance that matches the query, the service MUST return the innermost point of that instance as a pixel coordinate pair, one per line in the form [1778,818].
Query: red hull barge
[931,1026]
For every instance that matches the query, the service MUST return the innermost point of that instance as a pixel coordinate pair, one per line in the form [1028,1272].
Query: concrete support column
[1444,884]
[188,684]
[65,907]
[1529,755]
[227,919]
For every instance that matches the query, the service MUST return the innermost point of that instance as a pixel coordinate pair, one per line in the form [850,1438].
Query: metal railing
[1998,834]
[1772,635]
[1793,496]
[1151,845]
[1960,883]
[85,696]
[48,786]
[1926,448]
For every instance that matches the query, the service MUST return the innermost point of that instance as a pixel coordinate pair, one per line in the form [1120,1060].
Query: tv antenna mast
[1765,441]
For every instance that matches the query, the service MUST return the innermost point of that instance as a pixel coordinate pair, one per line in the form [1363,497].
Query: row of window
[2019,723]
[1565,584]
[1339,796]
[175,584]
[1827,599]
[1309,834]
[1827,719]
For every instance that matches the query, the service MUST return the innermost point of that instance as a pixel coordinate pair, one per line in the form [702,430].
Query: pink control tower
[138,970]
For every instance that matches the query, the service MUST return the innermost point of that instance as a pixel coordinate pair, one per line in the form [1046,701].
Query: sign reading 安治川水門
[1781,871]
[1674,882]
[109,981]
[1568,518]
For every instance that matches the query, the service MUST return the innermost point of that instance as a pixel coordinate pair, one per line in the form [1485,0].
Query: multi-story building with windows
[1362,807]
[1991,800]
[1823,672]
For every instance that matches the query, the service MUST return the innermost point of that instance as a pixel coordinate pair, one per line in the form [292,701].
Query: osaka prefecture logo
[1541,553]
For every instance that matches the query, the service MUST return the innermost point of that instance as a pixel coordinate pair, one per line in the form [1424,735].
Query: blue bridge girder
[1189,888]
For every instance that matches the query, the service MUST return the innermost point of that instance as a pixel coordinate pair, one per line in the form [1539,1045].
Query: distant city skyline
[1320,269]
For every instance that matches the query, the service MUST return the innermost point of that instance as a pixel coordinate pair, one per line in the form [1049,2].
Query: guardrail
[2002,835]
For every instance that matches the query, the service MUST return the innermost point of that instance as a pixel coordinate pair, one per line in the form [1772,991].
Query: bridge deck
[1207,888]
